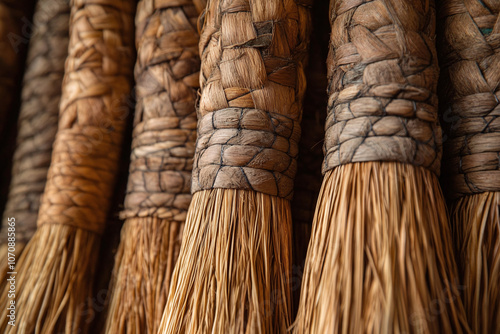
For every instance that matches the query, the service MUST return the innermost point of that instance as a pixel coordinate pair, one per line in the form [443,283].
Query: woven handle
[37,123]
[167,78]
[252,82]
[383,75]
[92,115]
[470,63]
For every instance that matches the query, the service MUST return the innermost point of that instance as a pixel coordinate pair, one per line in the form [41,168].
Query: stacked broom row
[380,259]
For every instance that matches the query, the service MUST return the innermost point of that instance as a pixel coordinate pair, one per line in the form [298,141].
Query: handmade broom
[158,195]
[233,269]
[55,271]
[470,61]
[380,258]
[37,124]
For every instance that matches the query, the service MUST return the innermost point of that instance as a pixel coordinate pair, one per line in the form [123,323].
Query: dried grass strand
[380,258]
[476,223]
[232,275]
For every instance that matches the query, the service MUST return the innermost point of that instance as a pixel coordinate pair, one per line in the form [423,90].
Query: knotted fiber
[55,271]
[164,136]
[37,124]
[380,258]
[470,92]
[233,270]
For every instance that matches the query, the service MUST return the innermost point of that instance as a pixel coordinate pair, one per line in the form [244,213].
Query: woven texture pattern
[92,115]
[382,92]
[252,82]
[167,77]
[470,62]
[38,116]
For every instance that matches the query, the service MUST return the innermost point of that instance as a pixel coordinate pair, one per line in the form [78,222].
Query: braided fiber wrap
[92,115]
[383,75]
[470,62]
[167,77]
[38,116]
[252,85]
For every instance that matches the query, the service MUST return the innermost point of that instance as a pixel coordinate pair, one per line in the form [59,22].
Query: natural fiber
[380,257]
[158,194]
[37,123]
[234,265]
[55,272]
[469,56]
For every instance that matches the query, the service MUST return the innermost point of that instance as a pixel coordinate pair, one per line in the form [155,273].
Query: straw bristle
[4,257]
[476,224]
[52,282]
[233,271]
[380,257]
[141,278]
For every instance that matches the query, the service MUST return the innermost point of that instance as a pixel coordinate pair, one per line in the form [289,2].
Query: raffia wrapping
[233,270]
[159,183]
[55,272]
[380,257]
[469,56]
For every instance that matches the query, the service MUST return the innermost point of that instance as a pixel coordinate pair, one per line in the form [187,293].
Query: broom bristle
[476,223]
[52,282]
[4,263]
[144,264]
[380,257]
[232,274]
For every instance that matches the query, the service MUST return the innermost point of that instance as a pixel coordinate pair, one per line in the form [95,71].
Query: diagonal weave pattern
[383,75]
[38,116]
[167,76]
[470,62]
[92,115]
[271,39]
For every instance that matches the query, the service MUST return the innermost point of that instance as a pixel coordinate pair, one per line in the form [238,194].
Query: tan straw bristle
[232,275]
[380,259]
[470,90]
[37,124]
[477,233]
[235,260]
[55,272]
[158,191]
[377,261]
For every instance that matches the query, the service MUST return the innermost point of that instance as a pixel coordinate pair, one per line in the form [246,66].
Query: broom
[233,270]
[470,89]
[158,195]
[37,124]
[380,257]
[55,271]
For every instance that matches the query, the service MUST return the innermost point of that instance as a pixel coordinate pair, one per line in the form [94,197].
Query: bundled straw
[37,123]
[470,59]
[158,195]
[380,257]
[233,271]
[56,268]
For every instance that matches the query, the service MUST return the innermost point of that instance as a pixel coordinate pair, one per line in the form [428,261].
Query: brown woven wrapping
[252,82]
[38,116]
[470,62]
[383,75]
[92,115]
[167,77]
